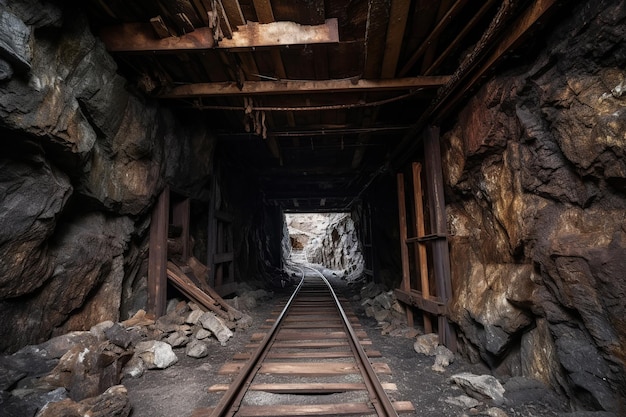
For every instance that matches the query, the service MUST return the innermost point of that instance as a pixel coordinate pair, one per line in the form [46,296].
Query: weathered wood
[180,218]
[329,410]
[264,11]
[415,298]
[305,368]
[255,35]
[310,344]
[404,251]
[139,37]
[376,31]
[250,88]
[421,258]
[157,258]
[441,26]
[233,13]
[160,28]
[395,34]
[305,388]
[187,287]
[437,205]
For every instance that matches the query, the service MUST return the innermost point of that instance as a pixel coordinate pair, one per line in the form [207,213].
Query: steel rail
[231,400]
[378,397]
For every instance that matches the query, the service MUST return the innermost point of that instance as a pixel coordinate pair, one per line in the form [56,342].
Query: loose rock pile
[79,373]
[386,310]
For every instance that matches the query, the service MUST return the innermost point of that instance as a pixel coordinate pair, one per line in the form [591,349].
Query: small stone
[381,315]
[197,349]
[194,316]
[156,354]
[185,329]
[213,323]
[496,412]
[426,344]
[384,300]
[463,401]
[177,339]
[134,368]
[203,334]
[245,322]
[118,335]
[141,318]
[443,358]
[99,329]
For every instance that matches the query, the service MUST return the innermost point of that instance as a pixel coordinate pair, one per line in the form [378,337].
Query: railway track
[313,360]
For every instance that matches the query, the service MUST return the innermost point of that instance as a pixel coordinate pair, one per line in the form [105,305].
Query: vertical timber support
[404,250]
[157,257]
[441,255]
[180,218]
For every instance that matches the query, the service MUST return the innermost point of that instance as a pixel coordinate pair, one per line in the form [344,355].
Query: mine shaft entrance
[329,240]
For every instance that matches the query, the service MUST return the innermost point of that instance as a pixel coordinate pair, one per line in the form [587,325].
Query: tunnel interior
[470,154]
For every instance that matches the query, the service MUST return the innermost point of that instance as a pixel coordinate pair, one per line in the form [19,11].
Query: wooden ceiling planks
[398,16]
[375,34]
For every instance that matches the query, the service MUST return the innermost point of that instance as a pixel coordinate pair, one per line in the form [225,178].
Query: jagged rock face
[536,182]
[83,160]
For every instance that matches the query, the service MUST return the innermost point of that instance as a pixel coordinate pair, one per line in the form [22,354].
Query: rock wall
[535,171]
[83,160]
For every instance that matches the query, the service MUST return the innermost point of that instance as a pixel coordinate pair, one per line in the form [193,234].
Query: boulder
[443,358]
[463,401]
[194,316]
[156,354]
[134,368]
[203,334]
[113,402]
[177,339]
[426,344]
[480,386]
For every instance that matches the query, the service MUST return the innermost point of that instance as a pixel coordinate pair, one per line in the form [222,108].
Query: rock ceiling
[316,97]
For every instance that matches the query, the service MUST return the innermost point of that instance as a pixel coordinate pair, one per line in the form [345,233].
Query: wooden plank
[305,388]
[255,35]
[298,87]
[443,23]
[160,28]
[309,344]
[315,335]
[233,13]
[375,34]
[180,217]
[157,256]
[404,251]
[421,259]
[395,34]
[306,369]
[440,252]
[416,299]
[187,287]
[139,37]
[329,410]
[264,11]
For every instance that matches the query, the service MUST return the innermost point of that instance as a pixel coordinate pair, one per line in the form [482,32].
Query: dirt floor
[178,390]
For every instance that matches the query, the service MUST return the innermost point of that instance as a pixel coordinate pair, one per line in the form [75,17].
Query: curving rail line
[312,298]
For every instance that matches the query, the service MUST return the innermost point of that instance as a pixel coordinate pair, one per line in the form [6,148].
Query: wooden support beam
[404,251]
[180,218]
[375,34]
[395,34]
[299,87]
[233,13]
[140,37]
[157,256]
[438,225]
[431,305]
[254,35]
[443,23]
[421,257]
[264,11]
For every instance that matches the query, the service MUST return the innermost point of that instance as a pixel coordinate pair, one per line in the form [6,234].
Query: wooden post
[404,251]
[441,255]
[421,246]
[211,239]
[180,217]
[157,256]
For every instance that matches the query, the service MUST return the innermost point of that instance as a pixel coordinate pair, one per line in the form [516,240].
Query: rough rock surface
[535,173]
[82,164]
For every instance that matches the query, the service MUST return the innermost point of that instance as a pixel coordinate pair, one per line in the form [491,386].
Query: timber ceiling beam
[298,87]
[140,37]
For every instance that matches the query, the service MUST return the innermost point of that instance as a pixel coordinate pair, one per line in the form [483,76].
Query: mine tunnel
[468,155]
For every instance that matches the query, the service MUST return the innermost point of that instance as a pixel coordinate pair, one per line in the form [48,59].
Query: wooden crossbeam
[299,87]
[141,37]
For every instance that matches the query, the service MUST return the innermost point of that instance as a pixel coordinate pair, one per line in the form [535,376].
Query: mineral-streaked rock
[213,323]
[426,344]
[480,386]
